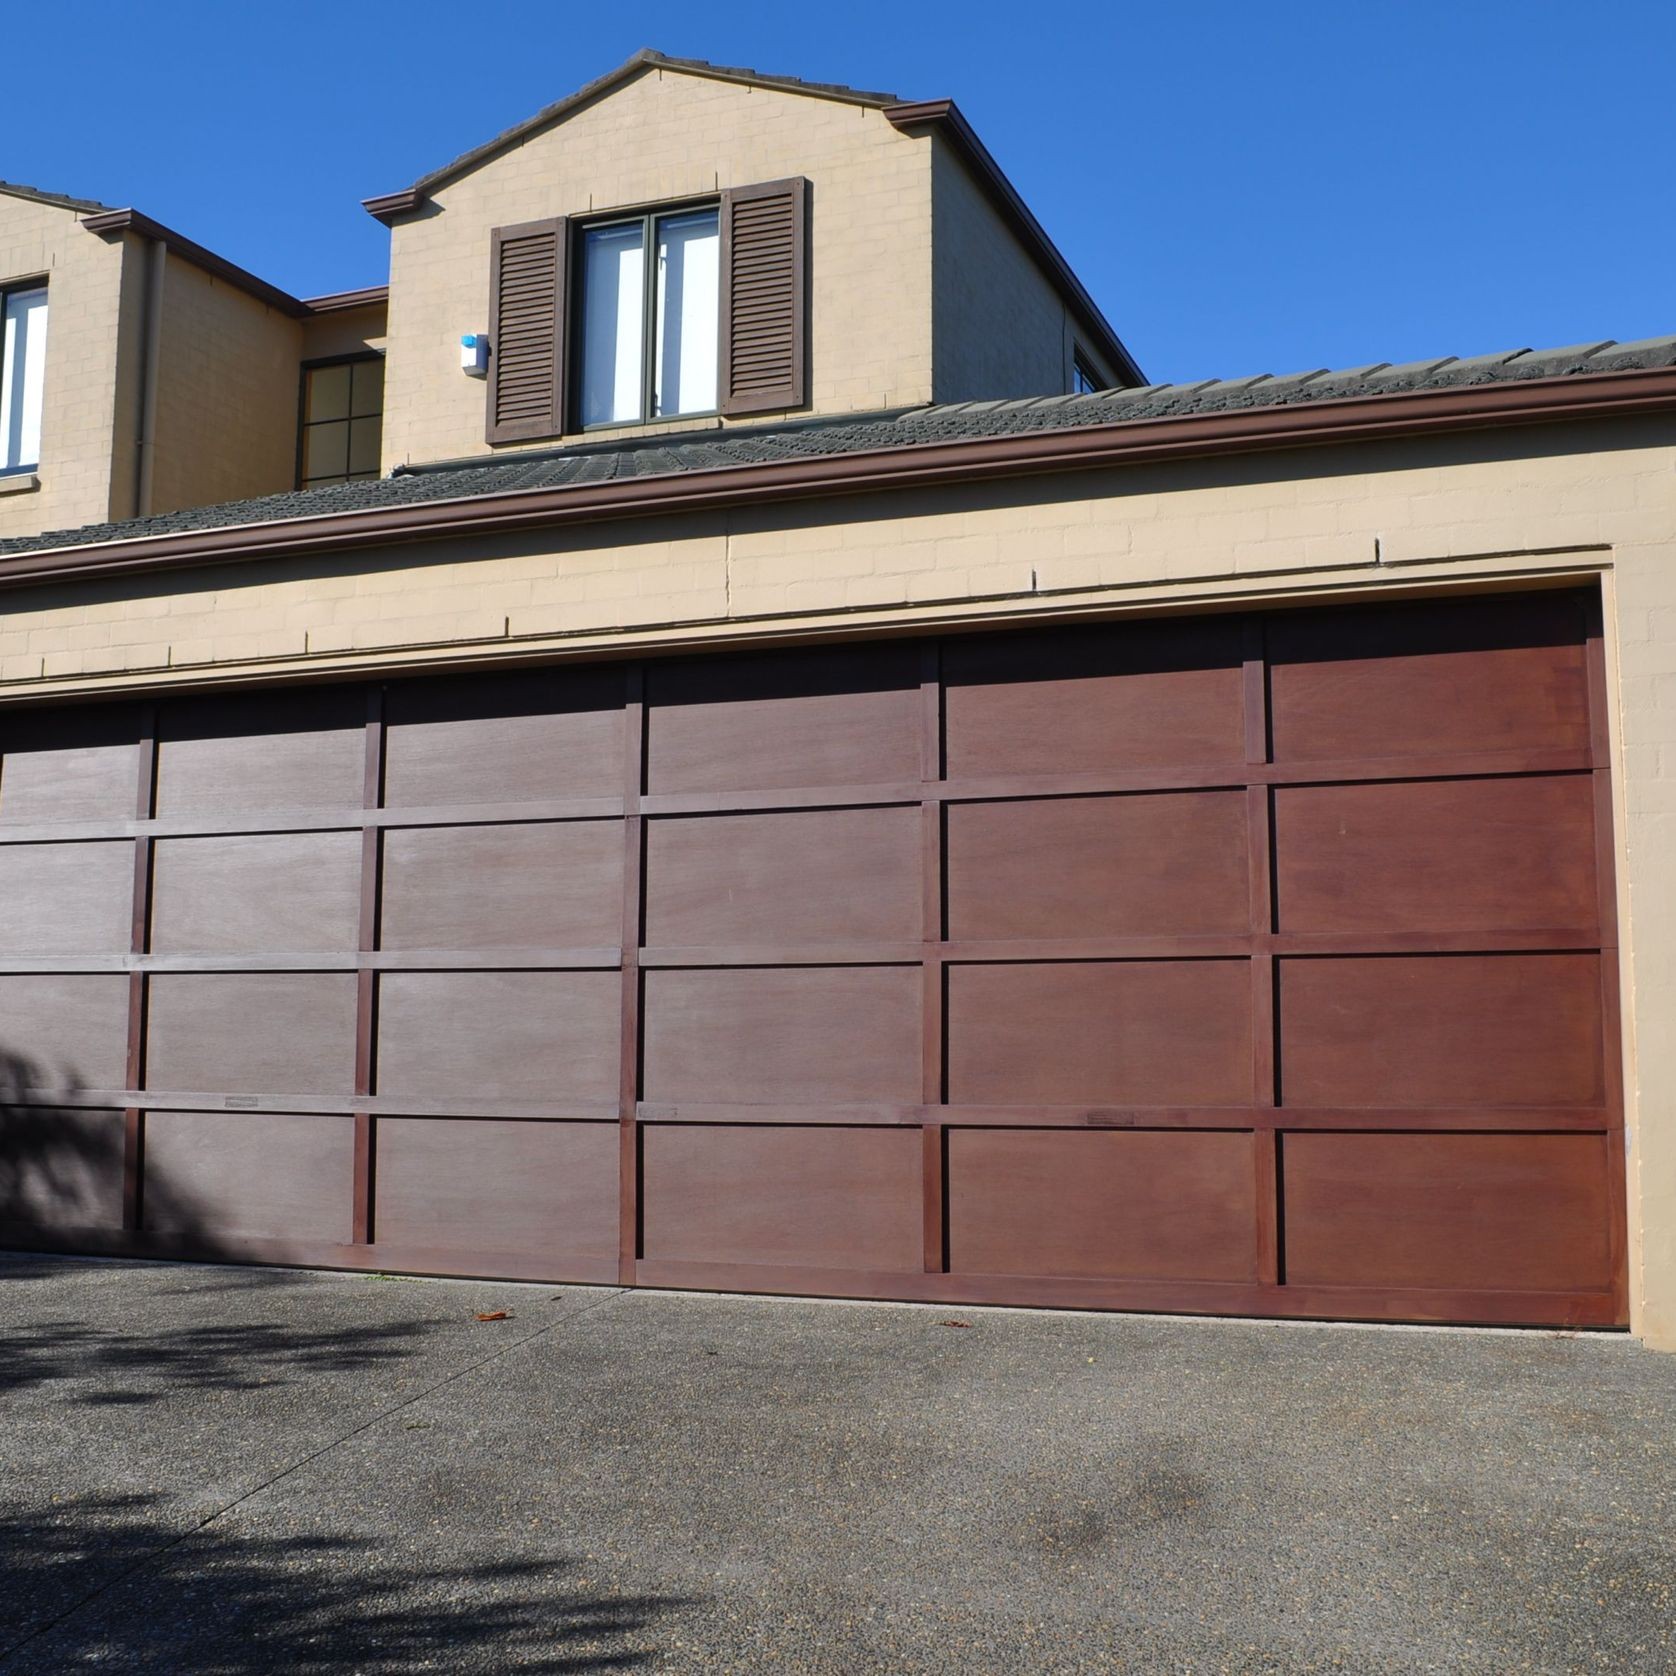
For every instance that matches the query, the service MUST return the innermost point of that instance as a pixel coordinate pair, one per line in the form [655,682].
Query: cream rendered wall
[226,394]
[79,399]
[999,325]
[1509,508]
[669,135]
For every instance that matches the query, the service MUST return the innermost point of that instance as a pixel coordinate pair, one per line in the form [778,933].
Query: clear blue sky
[1244,185]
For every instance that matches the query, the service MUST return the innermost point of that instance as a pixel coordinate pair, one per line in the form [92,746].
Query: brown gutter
[132,221]
[333,301]
[943,117]
[1572,397]
[389,207]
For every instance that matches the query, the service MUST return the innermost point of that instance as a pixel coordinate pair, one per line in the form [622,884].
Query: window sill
[19,482]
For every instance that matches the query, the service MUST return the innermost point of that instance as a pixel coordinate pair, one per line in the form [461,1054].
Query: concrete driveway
[231,1471]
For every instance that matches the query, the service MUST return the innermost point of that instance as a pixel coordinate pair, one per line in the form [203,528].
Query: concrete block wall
[1000,327]
[227,393]
[80,396]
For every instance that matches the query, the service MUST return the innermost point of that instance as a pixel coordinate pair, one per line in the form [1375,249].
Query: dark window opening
[342,430]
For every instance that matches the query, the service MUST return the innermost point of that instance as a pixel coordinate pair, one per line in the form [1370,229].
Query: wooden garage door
[1245,964]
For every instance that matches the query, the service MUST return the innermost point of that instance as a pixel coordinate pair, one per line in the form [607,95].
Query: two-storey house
[717,733]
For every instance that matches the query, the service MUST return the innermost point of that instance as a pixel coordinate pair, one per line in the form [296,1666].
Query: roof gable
[390,206]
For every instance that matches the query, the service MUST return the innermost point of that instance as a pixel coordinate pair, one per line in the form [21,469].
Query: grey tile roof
[608,461]
[16,190]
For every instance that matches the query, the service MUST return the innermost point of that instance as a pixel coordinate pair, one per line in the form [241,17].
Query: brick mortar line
[6,1653]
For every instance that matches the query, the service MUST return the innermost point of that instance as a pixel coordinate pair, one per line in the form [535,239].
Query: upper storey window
[650,314]
[23,357]
[343,420]
[649,351]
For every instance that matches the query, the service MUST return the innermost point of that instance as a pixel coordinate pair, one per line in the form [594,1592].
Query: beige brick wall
[346,331]
[1476,511]
[1000,327]
[667,136]
[226,394]
[79,400]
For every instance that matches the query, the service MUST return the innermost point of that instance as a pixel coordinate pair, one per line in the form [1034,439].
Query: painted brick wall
[79,415]
[226,396]
[667,136]
[1000,327]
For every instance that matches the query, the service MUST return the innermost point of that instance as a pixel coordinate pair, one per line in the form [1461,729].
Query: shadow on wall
[61,1166]
[112,1584]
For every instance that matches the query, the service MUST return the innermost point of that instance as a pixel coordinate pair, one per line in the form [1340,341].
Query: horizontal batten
[984,788]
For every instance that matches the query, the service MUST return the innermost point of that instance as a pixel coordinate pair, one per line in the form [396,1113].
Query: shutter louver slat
[526,331]
[764,297]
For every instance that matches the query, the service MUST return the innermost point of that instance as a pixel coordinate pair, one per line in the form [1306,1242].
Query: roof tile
[634,457]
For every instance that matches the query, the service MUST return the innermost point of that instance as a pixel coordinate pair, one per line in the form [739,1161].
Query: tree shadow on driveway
[118,1367]
[105,1583]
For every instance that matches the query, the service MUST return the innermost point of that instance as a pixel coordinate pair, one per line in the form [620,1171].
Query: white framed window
[23,355]
[649,350]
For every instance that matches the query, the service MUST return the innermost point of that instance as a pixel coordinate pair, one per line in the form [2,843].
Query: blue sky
[1244,187]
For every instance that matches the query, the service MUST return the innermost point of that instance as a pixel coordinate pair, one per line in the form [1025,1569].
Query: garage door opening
[1252,964]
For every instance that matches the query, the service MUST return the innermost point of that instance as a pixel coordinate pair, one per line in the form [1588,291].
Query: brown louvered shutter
[526,331]
[765,297]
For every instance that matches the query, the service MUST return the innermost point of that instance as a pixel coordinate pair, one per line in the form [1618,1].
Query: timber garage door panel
[1424,1210]
[293,750]
[807,718]
[550,884]
[545,1191]
[798,877]
[1147,864]
[63,1030]
[69,765]
[258,1033]
[1134,1205]
[504,739]
[249,1175]
[296,891]
[65,898]
[804,1035]
[1132,1033]
[1086,701]
[60,1168]
[1474,676]
[789,1196]
[1252,963]
[1442,1030]
[1502,855]
[498,1036]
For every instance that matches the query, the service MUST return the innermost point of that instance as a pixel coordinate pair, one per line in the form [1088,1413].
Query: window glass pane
[689,313]
[23,356]
[367,387]
[613,323]
[325,451]
[364,436]
[328,393]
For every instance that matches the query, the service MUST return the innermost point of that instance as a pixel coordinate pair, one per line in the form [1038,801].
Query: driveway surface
[233,1470]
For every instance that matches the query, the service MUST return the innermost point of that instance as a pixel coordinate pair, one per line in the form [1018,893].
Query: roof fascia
[334,301]
[1313,424]
[944,118]
[133,221]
